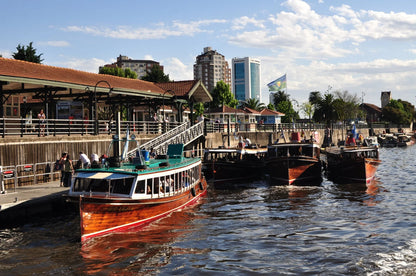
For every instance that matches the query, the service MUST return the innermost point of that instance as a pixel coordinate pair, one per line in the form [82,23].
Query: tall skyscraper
[211,67]
[246,78]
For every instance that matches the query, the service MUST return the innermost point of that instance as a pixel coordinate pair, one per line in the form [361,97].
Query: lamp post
[96,129]
[163,103]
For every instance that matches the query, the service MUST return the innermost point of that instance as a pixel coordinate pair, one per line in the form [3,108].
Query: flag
[278,84]
[354,131]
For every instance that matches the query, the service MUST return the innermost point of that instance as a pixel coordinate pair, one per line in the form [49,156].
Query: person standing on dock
[60,167]
[42,122]
[68,170]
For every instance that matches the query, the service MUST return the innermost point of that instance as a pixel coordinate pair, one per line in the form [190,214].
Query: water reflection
[140,250]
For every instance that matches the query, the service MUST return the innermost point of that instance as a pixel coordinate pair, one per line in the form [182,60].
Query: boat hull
[352,165]
[297,171]
[352,171]
[235,172]
[101,215]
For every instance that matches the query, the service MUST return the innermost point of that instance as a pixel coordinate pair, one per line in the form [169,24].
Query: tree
[222,95]
[156,75]
[254,104]
[271,106]
[324,111]
[308,108]
[286,107]
[117,71]
[398,112]
[279,97]
[27,53]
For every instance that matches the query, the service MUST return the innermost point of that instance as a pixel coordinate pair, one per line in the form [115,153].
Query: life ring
[193,191]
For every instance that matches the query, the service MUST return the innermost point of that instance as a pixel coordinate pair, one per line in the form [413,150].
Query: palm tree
[254,104]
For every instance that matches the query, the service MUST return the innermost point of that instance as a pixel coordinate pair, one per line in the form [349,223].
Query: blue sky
[363,47]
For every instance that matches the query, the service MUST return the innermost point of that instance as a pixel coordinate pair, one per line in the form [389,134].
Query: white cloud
[87,65]
[177,70]
[161,31]
[58,43]
[242,22]
[6,53]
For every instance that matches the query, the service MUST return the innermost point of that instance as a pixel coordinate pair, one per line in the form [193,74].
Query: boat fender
[193,191]
[141,167]
[164,164]
[201,186]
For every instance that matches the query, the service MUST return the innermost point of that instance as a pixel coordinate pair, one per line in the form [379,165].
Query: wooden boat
[352,164]
[228,167]
[294,163]
[122,195]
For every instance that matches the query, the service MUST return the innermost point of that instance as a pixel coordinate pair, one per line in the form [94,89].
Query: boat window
[140,187]
[91,185]
[121,186]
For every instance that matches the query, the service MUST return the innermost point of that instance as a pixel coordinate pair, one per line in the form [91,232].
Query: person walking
[42,122]
[68,170]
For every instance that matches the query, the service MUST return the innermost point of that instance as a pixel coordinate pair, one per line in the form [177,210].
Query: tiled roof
[251,111]
[372,106]
[269,112]
[35,71]
[181,88]
[226,109]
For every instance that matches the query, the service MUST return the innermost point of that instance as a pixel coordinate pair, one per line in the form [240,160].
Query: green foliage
[286,107]
[271,106]
[27,53]
[117,71]
[308,108]
[283,104]
[280,96]
[222,95]
[156,75]
[199,109]
[254,104]
[399,112]
[324,109]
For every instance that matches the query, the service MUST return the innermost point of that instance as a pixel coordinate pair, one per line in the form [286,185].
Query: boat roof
[338,150]
[236,150]
[282,145]
[128,169]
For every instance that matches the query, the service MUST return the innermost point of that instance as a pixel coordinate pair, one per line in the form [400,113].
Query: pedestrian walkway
[32,192]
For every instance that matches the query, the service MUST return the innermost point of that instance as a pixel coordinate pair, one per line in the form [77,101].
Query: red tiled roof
[226,109]
[373,106]
[267,111]
[23,69]
[181,88]
[251,111]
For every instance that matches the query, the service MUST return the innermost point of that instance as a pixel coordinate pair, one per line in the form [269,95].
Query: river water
[328,230]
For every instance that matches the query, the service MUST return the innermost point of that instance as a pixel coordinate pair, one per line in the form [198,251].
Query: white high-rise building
[246,78]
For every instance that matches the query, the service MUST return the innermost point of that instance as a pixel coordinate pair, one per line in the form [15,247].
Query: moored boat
[294,163]
[229,167]
[352,164]
[122,195]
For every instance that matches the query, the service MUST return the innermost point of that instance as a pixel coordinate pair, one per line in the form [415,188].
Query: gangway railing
[183,134]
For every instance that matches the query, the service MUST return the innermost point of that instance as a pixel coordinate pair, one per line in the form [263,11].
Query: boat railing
[182,134]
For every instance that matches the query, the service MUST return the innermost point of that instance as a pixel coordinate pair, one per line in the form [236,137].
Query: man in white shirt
[86,163]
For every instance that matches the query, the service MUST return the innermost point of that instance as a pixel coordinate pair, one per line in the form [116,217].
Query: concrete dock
[28,202]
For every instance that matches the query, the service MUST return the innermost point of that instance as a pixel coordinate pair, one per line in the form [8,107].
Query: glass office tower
[246,78]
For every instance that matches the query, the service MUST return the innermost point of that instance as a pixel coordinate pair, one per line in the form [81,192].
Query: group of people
[66,165]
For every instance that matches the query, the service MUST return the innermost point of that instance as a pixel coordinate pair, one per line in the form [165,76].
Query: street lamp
[96,129]
[163,101]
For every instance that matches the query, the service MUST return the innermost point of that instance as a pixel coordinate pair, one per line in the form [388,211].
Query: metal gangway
[183,134]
